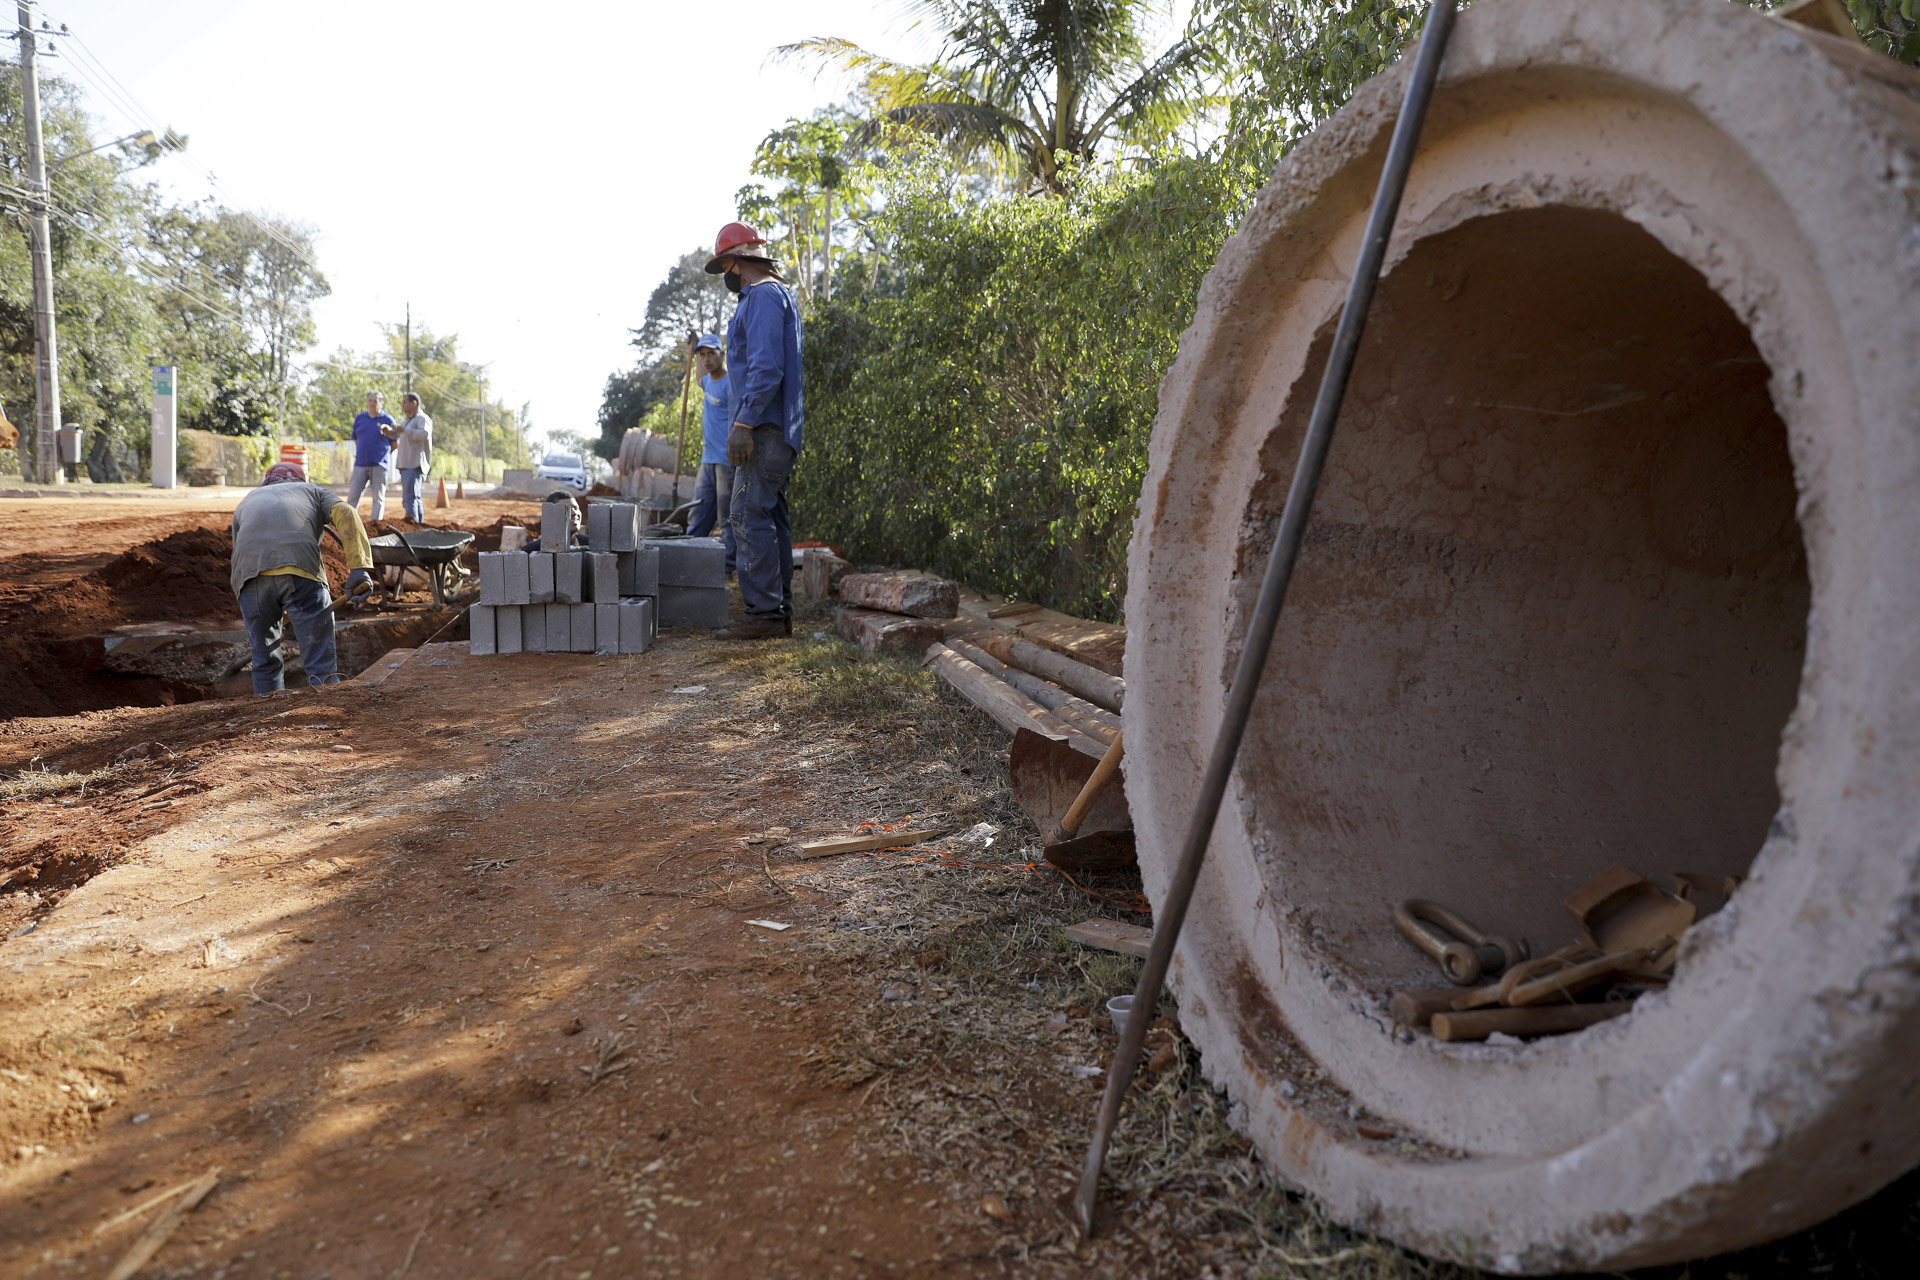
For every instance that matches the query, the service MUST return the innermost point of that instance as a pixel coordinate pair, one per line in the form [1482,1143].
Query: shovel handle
[1102,774]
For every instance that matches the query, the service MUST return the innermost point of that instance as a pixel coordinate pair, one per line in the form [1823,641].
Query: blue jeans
[762,531]
[263,600]
[411,504]
[713,505]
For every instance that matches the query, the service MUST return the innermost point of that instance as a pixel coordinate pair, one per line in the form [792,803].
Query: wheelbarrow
[434,552]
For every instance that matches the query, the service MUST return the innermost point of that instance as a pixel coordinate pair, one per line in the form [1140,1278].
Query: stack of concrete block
[890,612]
[692,582]
[603,599]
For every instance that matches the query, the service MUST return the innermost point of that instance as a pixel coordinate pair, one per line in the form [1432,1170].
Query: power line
[137,113]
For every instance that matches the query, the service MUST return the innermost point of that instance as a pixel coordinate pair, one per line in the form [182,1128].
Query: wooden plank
[1112,935]
[1091,683]
[384,666]
[155,1237]
[1095,643]
[1540,1020]
[1075,714]
[1011,708]
[857,844]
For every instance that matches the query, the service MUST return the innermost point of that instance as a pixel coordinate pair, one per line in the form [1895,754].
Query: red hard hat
[737,240]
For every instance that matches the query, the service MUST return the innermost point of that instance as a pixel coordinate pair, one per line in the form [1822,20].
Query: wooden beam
[1112,935]
[858,844]
[1011,708]
[1094,685]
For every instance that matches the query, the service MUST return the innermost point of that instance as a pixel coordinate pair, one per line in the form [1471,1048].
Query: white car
[566,468]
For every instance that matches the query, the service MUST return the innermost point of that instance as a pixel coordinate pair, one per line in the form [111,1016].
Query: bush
[981,406]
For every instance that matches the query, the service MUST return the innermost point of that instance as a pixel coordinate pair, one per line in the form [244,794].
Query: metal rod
[1273,593]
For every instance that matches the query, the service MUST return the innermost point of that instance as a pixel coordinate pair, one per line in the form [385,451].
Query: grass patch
[44,782]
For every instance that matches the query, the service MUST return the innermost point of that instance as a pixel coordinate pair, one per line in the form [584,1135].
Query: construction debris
[821,572]
[879,632]
[917,597]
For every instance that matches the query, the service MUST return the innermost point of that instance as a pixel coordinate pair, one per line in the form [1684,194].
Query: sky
[522,174]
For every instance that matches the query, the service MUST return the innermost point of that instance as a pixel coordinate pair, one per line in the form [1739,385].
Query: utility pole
[483,428]
[46,356]
[409,348]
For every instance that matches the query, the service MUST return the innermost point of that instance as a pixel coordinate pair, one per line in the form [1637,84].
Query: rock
[897,991]
[916,597]
[820,573]
[879,632]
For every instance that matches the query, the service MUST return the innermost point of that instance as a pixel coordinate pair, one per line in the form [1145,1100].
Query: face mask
[733,280]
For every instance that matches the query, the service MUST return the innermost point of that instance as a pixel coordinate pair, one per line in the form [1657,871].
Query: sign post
[166,421]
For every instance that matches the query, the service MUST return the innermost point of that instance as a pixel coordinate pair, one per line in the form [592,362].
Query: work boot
[753,629]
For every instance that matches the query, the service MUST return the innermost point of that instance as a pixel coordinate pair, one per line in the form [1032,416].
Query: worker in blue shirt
[371,445]
[763,434]
[713,497]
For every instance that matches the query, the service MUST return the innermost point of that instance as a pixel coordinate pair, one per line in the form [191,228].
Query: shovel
[1097,850]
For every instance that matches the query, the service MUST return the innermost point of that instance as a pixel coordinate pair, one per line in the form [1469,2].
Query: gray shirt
[279,525]
[413,447]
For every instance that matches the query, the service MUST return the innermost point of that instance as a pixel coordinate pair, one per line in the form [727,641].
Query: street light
[169,141]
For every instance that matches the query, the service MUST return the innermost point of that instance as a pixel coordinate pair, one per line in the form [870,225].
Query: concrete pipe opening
[1613,563]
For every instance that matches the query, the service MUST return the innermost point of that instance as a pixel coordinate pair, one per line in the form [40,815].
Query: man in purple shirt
[371,445]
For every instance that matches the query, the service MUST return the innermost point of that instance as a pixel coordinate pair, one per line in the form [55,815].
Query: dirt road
[460,969]
[459,976]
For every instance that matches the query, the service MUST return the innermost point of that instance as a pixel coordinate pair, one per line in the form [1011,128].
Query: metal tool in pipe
[1273,593]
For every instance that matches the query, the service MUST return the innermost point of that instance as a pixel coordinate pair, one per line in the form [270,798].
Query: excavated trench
[1612,563]
[1553,605]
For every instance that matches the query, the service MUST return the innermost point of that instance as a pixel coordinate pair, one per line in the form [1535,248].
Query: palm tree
[1032,83]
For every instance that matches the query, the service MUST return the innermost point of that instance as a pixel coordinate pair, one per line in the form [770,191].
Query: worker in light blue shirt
[371,447]
[763,435]
[713,497]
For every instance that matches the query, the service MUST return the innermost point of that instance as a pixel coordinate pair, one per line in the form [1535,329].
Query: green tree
[687,301]
[1036,84]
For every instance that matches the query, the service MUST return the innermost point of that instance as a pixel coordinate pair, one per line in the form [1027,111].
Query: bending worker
[763,439]
[277,571]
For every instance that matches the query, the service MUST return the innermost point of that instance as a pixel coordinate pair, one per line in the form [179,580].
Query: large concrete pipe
[1617,560]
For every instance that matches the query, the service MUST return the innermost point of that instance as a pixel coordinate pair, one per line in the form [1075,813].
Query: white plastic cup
[1117,1010]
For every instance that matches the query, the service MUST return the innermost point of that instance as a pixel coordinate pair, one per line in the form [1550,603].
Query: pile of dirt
[44,668]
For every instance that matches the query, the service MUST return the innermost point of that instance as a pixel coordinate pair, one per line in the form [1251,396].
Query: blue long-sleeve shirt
[714,421]
[763,359]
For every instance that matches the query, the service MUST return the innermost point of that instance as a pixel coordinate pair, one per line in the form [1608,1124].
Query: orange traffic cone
[441,501]
[460,490]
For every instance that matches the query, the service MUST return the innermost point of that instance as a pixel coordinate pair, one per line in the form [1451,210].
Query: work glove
[739,445]
[359,584]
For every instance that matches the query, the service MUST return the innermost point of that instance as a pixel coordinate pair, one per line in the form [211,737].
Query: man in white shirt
[413,455]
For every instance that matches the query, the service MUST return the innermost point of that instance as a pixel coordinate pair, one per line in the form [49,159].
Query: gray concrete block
[640,571]
[623,519]
[582,624]
[599,527]
[507,634]
[569,570]
[540,578]
[556,526]
[693,606]
[602,577]
[533,628]
[493,577]
[559,628]
[513,575]
[606,628]
[639,624]
[692,562]
[480,629]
